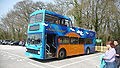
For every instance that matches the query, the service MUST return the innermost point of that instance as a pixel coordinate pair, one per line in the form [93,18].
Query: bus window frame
[41,15]
[35,19]
[32,20]
[50,17]
[58,20]
[67,23]
[83,40]
[63,39]
[91,41]
[75,38]
[71,24]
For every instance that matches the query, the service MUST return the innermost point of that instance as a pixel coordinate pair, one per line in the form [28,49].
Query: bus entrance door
[50,45]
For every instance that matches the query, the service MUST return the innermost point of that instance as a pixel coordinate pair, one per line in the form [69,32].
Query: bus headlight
[38,52]
[26,50]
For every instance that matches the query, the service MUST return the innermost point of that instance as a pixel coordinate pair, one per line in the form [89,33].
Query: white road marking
[86,56]
[13,58]
[10,56]
[14,54]
[30,60]
[1,53]
[4,55]
[78,61]
[36,65]
[23,59]
[97,66]
[19,59]
[8,47]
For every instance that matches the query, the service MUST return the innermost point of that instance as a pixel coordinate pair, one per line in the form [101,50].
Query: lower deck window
[74,40]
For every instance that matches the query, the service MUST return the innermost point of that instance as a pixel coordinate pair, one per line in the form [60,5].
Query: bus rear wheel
[62,54]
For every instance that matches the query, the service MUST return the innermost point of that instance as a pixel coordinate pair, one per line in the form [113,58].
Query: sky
[7,5]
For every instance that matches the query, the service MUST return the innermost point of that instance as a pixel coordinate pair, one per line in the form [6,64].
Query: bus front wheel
[62,54]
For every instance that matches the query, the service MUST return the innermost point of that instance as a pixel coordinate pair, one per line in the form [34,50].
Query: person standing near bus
[117,48]
[110,55]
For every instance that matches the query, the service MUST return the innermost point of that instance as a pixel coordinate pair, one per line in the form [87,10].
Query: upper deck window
[51,19]
[32,19]
[36,18]
[57,20]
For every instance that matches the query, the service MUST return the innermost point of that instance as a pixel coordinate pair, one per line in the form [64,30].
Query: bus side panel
[72,49]
[91,47]
[78,49]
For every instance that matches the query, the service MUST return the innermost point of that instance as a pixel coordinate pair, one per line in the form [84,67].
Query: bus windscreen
[34,38]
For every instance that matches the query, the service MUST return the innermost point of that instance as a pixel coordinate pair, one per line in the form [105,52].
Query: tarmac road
[13,57]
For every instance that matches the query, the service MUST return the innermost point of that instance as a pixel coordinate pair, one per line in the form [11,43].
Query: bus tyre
[88,51]
[62,54]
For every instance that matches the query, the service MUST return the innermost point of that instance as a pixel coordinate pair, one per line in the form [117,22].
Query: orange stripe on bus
[72,49]
[72,35]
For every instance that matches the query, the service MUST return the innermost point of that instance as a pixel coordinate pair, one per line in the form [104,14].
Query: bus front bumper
[33,55]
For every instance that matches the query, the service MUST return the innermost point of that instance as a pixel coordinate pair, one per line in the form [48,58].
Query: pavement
[13,57]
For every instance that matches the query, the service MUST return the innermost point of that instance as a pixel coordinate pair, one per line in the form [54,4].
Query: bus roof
[49,12]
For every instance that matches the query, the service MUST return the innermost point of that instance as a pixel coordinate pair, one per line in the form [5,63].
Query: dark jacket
[117,48]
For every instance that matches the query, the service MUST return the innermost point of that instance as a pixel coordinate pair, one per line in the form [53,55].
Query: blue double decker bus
[51,35]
